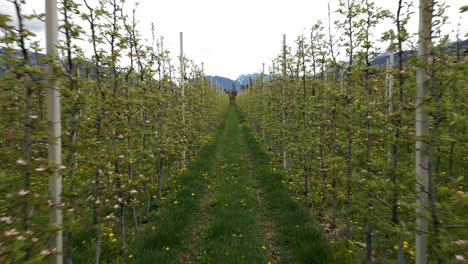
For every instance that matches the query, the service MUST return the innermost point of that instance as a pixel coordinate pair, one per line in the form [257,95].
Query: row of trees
[345,133]
[128,130]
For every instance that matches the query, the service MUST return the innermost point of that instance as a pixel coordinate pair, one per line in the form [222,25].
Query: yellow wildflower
[264,248]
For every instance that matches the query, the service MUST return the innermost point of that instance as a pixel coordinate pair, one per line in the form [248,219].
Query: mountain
[242,80]
[223,82]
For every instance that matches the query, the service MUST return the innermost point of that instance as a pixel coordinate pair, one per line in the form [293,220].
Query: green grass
[298,235]
[233,234]
[240,213]
[174,219]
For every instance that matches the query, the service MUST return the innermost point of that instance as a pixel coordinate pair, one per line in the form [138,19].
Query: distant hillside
[223,82]
[242,80]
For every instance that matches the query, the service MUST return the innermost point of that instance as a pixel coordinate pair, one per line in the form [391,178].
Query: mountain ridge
[227,83]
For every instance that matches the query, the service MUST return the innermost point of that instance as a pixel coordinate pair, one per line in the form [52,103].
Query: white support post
[422,129]
[182,91]
[285,153]
[54,123]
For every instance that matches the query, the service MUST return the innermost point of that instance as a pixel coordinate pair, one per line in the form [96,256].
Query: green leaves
[346,135]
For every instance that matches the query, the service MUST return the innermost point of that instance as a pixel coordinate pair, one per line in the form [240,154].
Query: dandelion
[193,194]
[176,202]
[264,248]
[130,256]
[405,245]
[350,251]
[153,228]
[167,248]
[395,248]
[114,240]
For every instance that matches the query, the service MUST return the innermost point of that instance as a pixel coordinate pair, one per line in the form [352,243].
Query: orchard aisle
[231,208]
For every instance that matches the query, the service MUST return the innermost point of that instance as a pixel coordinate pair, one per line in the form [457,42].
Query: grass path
[231,208]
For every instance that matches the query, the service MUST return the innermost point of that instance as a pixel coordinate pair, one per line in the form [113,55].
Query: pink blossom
[45,252]
[21,162]
[22,192]
[460,242]
[41,168]
[6,219]
[460,259]
[12,232]
[111,216]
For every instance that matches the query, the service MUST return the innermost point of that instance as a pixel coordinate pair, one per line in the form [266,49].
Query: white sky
[234,37]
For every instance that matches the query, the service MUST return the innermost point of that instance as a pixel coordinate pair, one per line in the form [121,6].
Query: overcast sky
[234,37]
